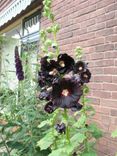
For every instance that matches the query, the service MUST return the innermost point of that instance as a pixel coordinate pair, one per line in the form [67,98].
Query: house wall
[92,24]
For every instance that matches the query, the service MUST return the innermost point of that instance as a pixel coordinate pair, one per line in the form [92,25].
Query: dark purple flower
[76,107]
[66,63]
[49,67]
[45,94]
[80,66]
[41,79]
[49,71]
[49,107]
[85,76]
[66,93]
[61,128]
[77,78]
[18,65]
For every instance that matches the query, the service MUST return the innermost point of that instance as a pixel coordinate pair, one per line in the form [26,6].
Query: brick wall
[92,24]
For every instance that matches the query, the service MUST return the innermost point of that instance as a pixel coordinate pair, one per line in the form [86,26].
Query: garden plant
[63,80]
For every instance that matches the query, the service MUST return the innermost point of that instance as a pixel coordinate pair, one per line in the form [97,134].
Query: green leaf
[43,123]
[85,89]
[46,141]
[2,144]
[95,131]
[15,145]
[78,52]
[77,139]
[89,153]
[49,29]
[81,121]
[48,42]
[56,28]
[58,152]
[114,134]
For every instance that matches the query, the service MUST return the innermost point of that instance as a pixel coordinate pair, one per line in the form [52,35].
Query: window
[31,26]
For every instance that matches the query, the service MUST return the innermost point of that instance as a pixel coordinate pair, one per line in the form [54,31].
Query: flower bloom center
[80,68]
[62,64]
[65,92]
[85,76]
[53,72]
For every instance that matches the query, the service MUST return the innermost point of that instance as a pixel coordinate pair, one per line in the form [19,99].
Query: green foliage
[114,134]
[95,131]
[78,52]
[21,113]
[81,121]
[46,141]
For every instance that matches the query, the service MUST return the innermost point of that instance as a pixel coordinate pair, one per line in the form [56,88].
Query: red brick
[114,79]
[88,23]
[114,120]
[102,110]
[97,70]
[111,54]
[103,63]
[104,3]
[105,47]
[114,95]
[96,41]
[111,7]
[113,112]
[110,39]
[96,27]
[105,17]
[97,56]
[110,70]
[105,32]
[80,32]
[102,78]
[111,23]
[86,36]
[96,86]
[87,10]
[101,94]
[110,87]
[108,103]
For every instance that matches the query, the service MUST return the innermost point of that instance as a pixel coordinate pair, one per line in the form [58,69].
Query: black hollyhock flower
[41,79]
[77,78]
[66,93]
[48,67]
[85,76]
[44,63]
[49,70]
[66,63]
[77,107]
[60,128]
[49,107]
[80,66]
[18,65]
[45,94]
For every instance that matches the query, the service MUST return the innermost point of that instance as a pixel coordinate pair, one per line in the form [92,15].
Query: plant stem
[8,151]
[67,126]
